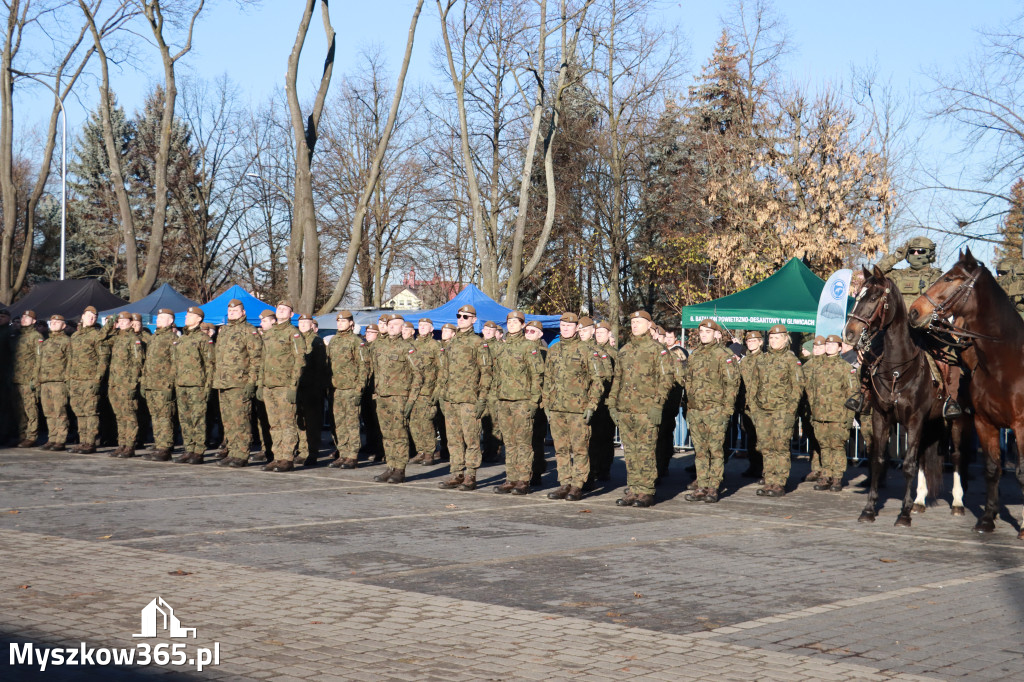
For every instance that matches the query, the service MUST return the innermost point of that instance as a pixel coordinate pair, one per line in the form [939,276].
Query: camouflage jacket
[90,353]
[314,374]
[158,370]
[747,374]
[829,381]
[236,355]
[428,355]
[612,353]
[193,359]
[602,363]
[571,379]
[910,283]
[284,356]
[396,370]
[518,370]
[643,376]
[127,357]
[53,358]
[464,374]
[711,378]
[26,348]
[777,381]
[1013,285]
[347,361]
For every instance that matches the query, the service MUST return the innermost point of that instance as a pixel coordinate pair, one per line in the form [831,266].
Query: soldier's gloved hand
[249,391]
[292,396]
[588,415]
[901,252]
[615,415]
[533,411]
[259,393]
[481,409]
[94,389]
[407,411]
[355,399]
[654,414]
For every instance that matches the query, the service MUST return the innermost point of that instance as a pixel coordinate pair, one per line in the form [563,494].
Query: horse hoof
[902,521]
[918,509]
[985,526]
[866,517]
[957,511]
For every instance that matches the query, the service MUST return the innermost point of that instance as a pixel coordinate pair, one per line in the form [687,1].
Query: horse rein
[940,311]
[881,310]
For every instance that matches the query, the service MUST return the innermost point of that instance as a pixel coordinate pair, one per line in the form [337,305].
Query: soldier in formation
[397,379]
[53,383]
[424,410]
[311,393]
[776,385]
[347,365]
[26,351]
[127,358]
[89,354]
[237,356]
[829,379]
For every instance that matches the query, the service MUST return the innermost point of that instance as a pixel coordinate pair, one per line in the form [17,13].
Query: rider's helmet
[920,252]
[1009,266]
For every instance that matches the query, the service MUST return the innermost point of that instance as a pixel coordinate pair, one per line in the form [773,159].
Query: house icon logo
[151,620]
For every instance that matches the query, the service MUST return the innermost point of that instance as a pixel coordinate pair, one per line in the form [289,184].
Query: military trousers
[28,411]
[421,425]
[775,428]
[236,416]
[572,442]
[639,440]
[54,398]
[192,417]
[515,420]
[282,416]
[707,431]
[832,437]
[125,402]
[394,430]
[463,438]
[85,403]
[310,423]
[346,423]
[161,414]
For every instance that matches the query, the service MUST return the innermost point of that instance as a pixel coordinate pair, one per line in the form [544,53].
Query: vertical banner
[832,304]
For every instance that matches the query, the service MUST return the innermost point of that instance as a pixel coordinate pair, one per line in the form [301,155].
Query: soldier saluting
[284,356]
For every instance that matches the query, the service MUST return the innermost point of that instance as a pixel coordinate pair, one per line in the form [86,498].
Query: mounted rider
[1010,275]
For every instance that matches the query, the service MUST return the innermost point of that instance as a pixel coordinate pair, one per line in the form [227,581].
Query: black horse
[900,389]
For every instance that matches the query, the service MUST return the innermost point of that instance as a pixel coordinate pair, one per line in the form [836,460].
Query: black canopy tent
[68,298]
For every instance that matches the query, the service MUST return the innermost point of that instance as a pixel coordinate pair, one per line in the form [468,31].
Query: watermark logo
[151,614]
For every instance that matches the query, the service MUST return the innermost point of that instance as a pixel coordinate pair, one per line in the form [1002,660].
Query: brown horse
[986,319]
[900,388]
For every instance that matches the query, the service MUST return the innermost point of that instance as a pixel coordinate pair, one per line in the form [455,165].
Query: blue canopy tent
[486,309]
[164,297]
[216,311]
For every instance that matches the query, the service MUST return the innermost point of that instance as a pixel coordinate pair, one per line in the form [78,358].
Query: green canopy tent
[788,297]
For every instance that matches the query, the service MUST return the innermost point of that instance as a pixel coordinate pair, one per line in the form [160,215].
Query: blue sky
[906,38]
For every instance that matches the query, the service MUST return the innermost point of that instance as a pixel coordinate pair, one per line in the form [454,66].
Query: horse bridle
[937,321]
[881,310]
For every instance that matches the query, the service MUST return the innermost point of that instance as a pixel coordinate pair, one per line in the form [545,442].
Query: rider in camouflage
[1010,275]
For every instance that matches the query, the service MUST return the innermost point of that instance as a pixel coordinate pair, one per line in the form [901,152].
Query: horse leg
[956,433]
[988,435]
[911,469]
[922,494]
[876,453]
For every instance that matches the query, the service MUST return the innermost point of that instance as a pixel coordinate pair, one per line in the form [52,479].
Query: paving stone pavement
[325,575]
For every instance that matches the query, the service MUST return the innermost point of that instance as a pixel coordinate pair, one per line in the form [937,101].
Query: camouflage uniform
[53,385]
[915,280]
[829,380]
[236,367]
[127,357]
[602,428]
[516,383]
[421,423]
[158,385]
[398,381]
[1012,281]
[311,399]
[712,382]
[26,348]
[347,360]
[572,385]
[87,364]
[284,355]
[643,379]
[777,383]
[463,381]
[193,376]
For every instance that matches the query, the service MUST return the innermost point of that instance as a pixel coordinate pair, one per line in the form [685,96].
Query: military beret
[396,316]
[710,324]
[286,303]
[819,340]
[345,315]
[426,320]
[658,328]
[407,325]
[196,310]
[136,317]
[753,334]
[491,325]
[90,309]
[305,316]
[515,314]
[640,313]
[30,313]
[833,338]
[468,309]
[604,324]
[535,324]
[207,325]
[569,317]
[165,311]
[373,328]
[234,303]
[267,313]
[123,315]
[586,321]
[448,325]
[778,329]
[53,318]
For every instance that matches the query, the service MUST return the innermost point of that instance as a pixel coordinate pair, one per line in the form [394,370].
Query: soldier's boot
[234,462]
[430,459]
[775,491]
[397,476]
[220,455]
[310,462]
[418,459]
[58,447]
[197,458]
[837,485]
[505,488]
[559,493]
[698,495]
[344,463]
[468,481]
[86,449]
[574,495]
[643,501]
[26,442]
[824,483]
[451,483]
[280,465]
[855,402]
[692,485]
[711,497]
[521,488]
[813,476]
[951,409]
[183,458]
[626,500]
[127,453]
[48,445]
[116,452]
[383,476]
